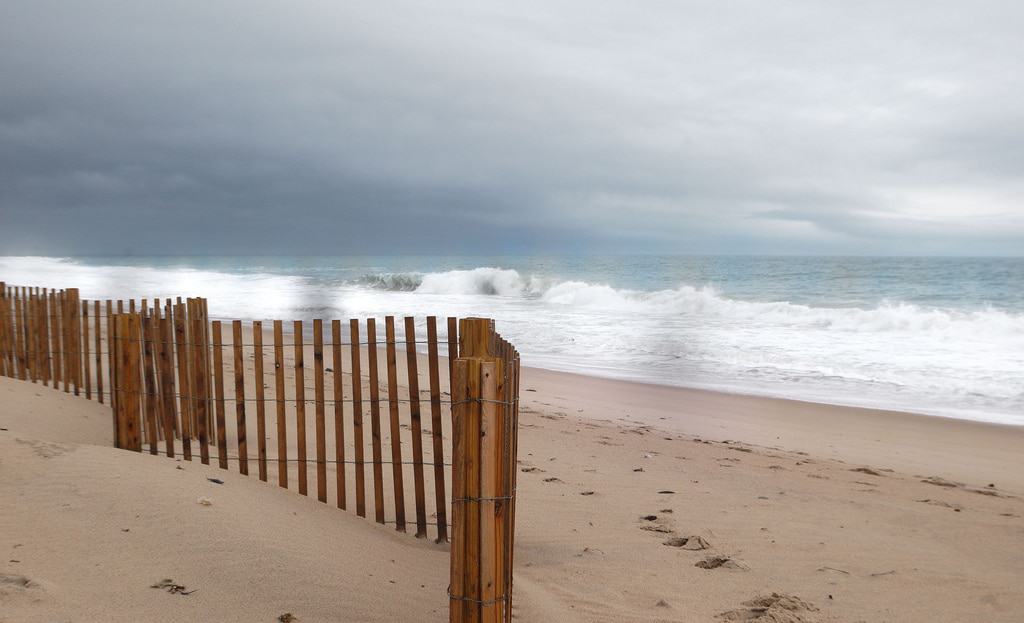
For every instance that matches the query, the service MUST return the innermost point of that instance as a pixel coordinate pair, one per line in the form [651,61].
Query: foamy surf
[965,361]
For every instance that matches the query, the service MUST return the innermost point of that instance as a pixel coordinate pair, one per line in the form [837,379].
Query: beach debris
[648,455]
[956,507]
[553,479]
[530,470]
[586,493]
[665,510]
[662,604]
[328,370]
[287,617]
[204,502]
[19,581]
[657,528]
[171,587]
[649,517]
[878,575]
[866,470]
[843,571]
[940,482]
[774,608]
[216,481]
[666,492]
[718,562]
[692,543]
[638,469]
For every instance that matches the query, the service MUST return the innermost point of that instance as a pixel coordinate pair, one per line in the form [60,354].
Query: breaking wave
[703,301]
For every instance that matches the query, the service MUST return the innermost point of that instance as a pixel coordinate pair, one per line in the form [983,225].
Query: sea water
[942,336]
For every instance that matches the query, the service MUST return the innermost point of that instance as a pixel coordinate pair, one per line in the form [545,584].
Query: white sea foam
[705,301]
[958,362]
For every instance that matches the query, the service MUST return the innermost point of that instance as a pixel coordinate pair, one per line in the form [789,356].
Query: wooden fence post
[481,495]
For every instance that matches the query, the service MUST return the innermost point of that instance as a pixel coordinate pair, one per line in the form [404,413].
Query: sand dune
[622,516]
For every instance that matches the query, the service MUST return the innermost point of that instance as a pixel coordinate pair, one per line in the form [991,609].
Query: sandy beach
[636,503]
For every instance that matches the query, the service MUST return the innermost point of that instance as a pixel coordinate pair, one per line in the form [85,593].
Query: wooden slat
[73,330]
[471,516]
[4,352]
[111,354]
[34,332]
[38,325]
[4,330]
[45,324]
[513,476]
[300,406]
[357,417]
[87,372]
[395,424]
[491,468]
[55,342]
[207,351]
[98,350]
[149,389]
[261,407]
[165,365]
[339,415]
[239,369]
[218,388]
[65,335]
[200,379]
[28,357]
[50,337]
[415,426]
[30,336]
[453,346]
[282,428]
[378,471]
[437,430]
[131,337]
[19,340]
[67,338]
[36,336]
[185,389]
[320,422]
[461,413]
[117,347]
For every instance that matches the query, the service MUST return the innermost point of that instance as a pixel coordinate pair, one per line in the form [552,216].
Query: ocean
[941,336]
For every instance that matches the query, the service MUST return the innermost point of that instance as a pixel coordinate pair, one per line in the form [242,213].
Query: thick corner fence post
[482,492]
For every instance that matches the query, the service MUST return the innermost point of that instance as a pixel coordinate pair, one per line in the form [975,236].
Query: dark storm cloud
[319,127]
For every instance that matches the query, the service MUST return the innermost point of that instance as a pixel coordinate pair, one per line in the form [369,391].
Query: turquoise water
[943,336]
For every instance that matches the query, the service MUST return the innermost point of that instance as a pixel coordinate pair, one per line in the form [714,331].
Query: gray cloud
[318,127]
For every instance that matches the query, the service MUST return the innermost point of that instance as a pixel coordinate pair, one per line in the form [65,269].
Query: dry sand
[810,513]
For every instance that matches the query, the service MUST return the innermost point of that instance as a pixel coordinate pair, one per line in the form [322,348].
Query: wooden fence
[171,376]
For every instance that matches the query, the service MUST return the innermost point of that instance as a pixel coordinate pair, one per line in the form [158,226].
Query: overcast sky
[892,127]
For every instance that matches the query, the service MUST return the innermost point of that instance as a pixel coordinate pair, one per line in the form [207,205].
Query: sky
[384,127]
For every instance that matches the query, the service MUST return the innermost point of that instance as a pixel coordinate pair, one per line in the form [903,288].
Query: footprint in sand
[772,608]
[865,470]
[692,543]
[720,562]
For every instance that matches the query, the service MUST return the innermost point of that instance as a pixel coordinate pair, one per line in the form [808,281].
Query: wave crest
[703,301]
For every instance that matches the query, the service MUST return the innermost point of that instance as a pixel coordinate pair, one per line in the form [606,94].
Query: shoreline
[909,442]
